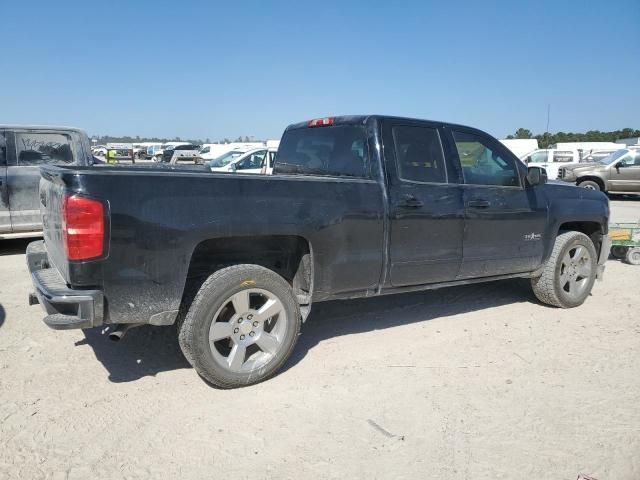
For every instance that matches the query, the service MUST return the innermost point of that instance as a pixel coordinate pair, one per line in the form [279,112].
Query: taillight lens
[83,228]
[321,122]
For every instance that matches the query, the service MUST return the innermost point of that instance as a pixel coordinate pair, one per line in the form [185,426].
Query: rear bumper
[604,254]
[66,308]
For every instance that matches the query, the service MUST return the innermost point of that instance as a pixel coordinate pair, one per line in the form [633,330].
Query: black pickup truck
[358,206]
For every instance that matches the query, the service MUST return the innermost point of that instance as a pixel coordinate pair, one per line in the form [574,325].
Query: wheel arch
[593,178]
[290,256]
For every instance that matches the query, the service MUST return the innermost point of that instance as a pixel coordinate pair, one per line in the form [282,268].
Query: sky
[206,69]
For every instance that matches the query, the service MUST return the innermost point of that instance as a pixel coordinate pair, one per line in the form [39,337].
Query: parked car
[357,206]
[247,162]
[99,150]
[158,155]
[551,160]
[221,163]
[182,153]
[211,151]
[23,149]
[617,173]
[152,150]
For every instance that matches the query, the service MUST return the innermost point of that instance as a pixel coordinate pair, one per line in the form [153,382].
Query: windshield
[225,159]
[617,155]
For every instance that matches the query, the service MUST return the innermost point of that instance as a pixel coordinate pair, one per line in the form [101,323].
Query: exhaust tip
[120,330]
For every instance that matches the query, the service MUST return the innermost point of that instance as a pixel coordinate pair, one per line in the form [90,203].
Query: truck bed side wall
[158,220]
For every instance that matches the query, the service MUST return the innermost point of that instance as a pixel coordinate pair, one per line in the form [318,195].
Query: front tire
[590,185]
[570,272]
[241,327]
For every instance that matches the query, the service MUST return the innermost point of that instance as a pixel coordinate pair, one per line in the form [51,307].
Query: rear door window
[33,149]
[339,150]
[419,154]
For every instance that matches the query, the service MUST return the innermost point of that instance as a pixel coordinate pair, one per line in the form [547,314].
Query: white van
[551,159]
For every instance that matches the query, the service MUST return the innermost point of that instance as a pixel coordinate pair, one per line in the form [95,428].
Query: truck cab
[23,150]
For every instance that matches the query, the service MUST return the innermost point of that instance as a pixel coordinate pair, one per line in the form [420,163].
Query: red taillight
[83,228]
[320,122]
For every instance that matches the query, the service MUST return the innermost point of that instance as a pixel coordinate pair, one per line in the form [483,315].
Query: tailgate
[51,198]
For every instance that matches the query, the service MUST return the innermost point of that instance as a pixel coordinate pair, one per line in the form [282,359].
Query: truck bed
[158,216]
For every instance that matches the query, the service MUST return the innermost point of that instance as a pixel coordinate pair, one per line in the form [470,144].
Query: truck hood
[580,167]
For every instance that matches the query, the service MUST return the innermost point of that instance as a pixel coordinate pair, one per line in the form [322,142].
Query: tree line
[104,139]
[545,139]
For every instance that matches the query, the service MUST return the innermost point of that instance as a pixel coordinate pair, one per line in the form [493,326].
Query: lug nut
[241,337]
[236,330]
[252,333]
[249,317]
[240,320]
[255,324]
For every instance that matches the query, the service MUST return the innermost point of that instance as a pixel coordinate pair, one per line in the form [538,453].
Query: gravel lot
[470,382]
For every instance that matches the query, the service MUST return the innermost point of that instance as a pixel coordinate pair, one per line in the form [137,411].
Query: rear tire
[590,185]
[633,256]
[241,327]
[569,274]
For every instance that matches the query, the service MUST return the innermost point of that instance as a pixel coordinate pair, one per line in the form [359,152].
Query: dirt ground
[470,382]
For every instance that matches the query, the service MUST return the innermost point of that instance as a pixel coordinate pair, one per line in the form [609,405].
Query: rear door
[426,211]
[5,215]
[504,220]
[27,151]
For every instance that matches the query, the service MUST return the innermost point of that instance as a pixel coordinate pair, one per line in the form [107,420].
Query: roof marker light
[321,122]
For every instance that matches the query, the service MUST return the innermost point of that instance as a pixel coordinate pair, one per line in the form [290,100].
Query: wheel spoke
[240,302]
[578,252]
[236,356]
[220,330]
[564,277]
[270,308]
[566,260]
[268,343]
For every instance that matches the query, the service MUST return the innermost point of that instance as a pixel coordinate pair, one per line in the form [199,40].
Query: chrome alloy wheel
[248,330]
[575,271]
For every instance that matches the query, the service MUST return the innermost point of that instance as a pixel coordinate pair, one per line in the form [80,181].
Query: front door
[27,151]
[504,220]
[425,205]
[626,177]
[5,215]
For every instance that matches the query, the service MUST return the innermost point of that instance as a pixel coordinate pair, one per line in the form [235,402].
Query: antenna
[548,116]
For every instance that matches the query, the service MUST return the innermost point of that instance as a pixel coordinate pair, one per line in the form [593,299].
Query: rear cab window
[419,155]
[337,150]
[40,148]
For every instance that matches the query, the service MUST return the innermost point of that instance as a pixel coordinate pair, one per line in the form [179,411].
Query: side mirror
[536,176]
[233,167]
[621,164]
